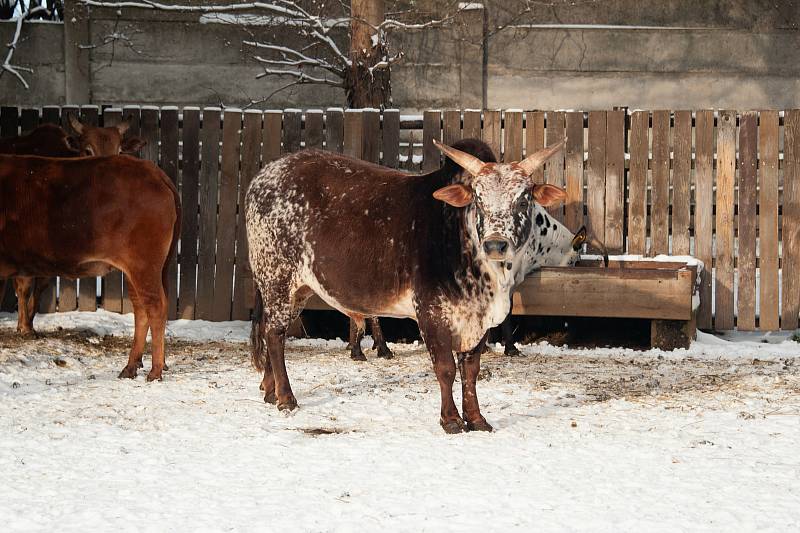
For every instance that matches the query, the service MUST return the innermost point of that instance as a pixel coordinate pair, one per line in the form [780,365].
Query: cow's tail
[257,334]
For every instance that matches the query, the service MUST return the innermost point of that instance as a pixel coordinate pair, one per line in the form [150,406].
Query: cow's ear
[72,143]
[457,195]
[548,195]
[132,145]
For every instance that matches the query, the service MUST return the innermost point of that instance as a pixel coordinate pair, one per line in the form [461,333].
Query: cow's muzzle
[497,248]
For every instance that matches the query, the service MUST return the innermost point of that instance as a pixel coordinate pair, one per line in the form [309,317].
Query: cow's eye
[524,204]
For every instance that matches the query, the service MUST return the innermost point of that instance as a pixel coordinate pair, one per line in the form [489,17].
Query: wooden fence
[722,186]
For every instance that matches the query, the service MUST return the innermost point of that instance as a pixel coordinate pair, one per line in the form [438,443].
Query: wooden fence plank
[726,177]
[28,120]
[574,171]
[169,164]
[451,126]
[637,183]
[371,150]
[615,182]
[768,136]
[353,133]
[226,219]
[271,136]
[334,129]
[250,157]
[791,220]
[48,298]
[292,130]
[534,139]
[431,129]
[659,221]
[491,132]
[748,197]
[111,294]
[190,176]
[556,124]
[391,138]
[596,176]
[133,115]
[209,179]
[681,183]
[87,287]
[704,214]
[9,121]
[512,136]
[472,124]
[314,130]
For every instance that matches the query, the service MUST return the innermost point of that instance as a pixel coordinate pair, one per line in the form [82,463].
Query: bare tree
[26,13]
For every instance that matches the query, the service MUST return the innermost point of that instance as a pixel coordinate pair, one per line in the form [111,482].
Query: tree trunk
[367,48]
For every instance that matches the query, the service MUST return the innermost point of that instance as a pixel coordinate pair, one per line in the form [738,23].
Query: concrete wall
[723,54]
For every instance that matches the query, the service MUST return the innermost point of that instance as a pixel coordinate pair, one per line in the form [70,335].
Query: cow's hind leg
[153,300]
[508,337]
[141,326]
[357,329]
[25,287]
[469,364]
[378,340]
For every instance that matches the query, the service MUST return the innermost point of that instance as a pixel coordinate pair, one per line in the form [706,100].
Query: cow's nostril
[496,246]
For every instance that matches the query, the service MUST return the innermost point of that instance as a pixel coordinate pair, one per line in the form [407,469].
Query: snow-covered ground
[603,440]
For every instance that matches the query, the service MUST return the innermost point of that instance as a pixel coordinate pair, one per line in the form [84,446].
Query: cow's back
[58,216]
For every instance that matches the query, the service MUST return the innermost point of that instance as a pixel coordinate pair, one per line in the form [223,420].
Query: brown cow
[81,217]
[441,249]
[49,140]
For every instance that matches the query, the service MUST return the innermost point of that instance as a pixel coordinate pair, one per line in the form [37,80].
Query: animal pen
[722,186]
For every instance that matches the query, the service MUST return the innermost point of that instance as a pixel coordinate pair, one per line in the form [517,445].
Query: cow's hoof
[452,427]
[385,353]
[287,406]
[512,351]
[129,372]
[271,398]
[154,376]
[358,357]
[28,334]
[479,425]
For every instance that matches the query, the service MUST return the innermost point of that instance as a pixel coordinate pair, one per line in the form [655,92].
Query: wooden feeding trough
[662,291]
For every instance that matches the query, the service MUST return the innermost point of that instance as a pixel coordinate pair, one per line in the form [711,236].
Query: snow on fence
[706,183]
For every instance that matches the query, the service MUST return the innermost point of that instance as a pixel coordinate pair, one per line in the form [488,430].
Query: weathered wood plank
[9,121]
[472,124]
[682,183]
[271,137]
[190,176]
[28,120]
[133,115]
[353,133]
[596,175]
[451,126]
[111,293]
[391,138]
[748,198]
[659,221]
[334,129]
[169,164]
[314,130]
[512,135]
[371,150]
[431,129]
[534,139]
[726,178]
[251,159]
[637,183]
[556,124]
[615,181]
[704,205]
[791,221]
[574,171]
[768,135]
[292,130]
[226,219]
[492,131]
[207,229]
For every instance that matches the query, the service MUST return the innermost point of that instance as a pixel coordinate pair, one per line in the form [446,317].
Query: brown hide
[79,217]
[47,140]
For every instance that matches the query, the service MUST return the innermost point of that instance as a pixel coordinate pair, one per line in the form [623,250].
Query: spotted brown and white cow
[441,247]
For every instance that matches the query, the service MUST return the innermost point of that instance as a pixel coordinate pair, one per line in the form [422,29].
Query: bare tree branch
[12,46]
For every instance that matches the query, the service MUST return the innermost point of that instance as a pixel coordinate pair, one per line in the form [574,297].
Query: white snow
[604,439]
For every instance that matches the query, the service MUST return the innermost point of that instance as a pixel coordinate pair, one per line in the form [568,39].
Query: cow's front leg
[508,337]
[357,328]
[469,364]
[378,340]
[25,287]
[439,342]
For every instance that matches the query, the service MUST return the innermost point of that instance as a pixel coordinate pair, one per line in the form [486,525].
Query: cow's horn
[534,161]
[470,163]
[75,123]
[123,126]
